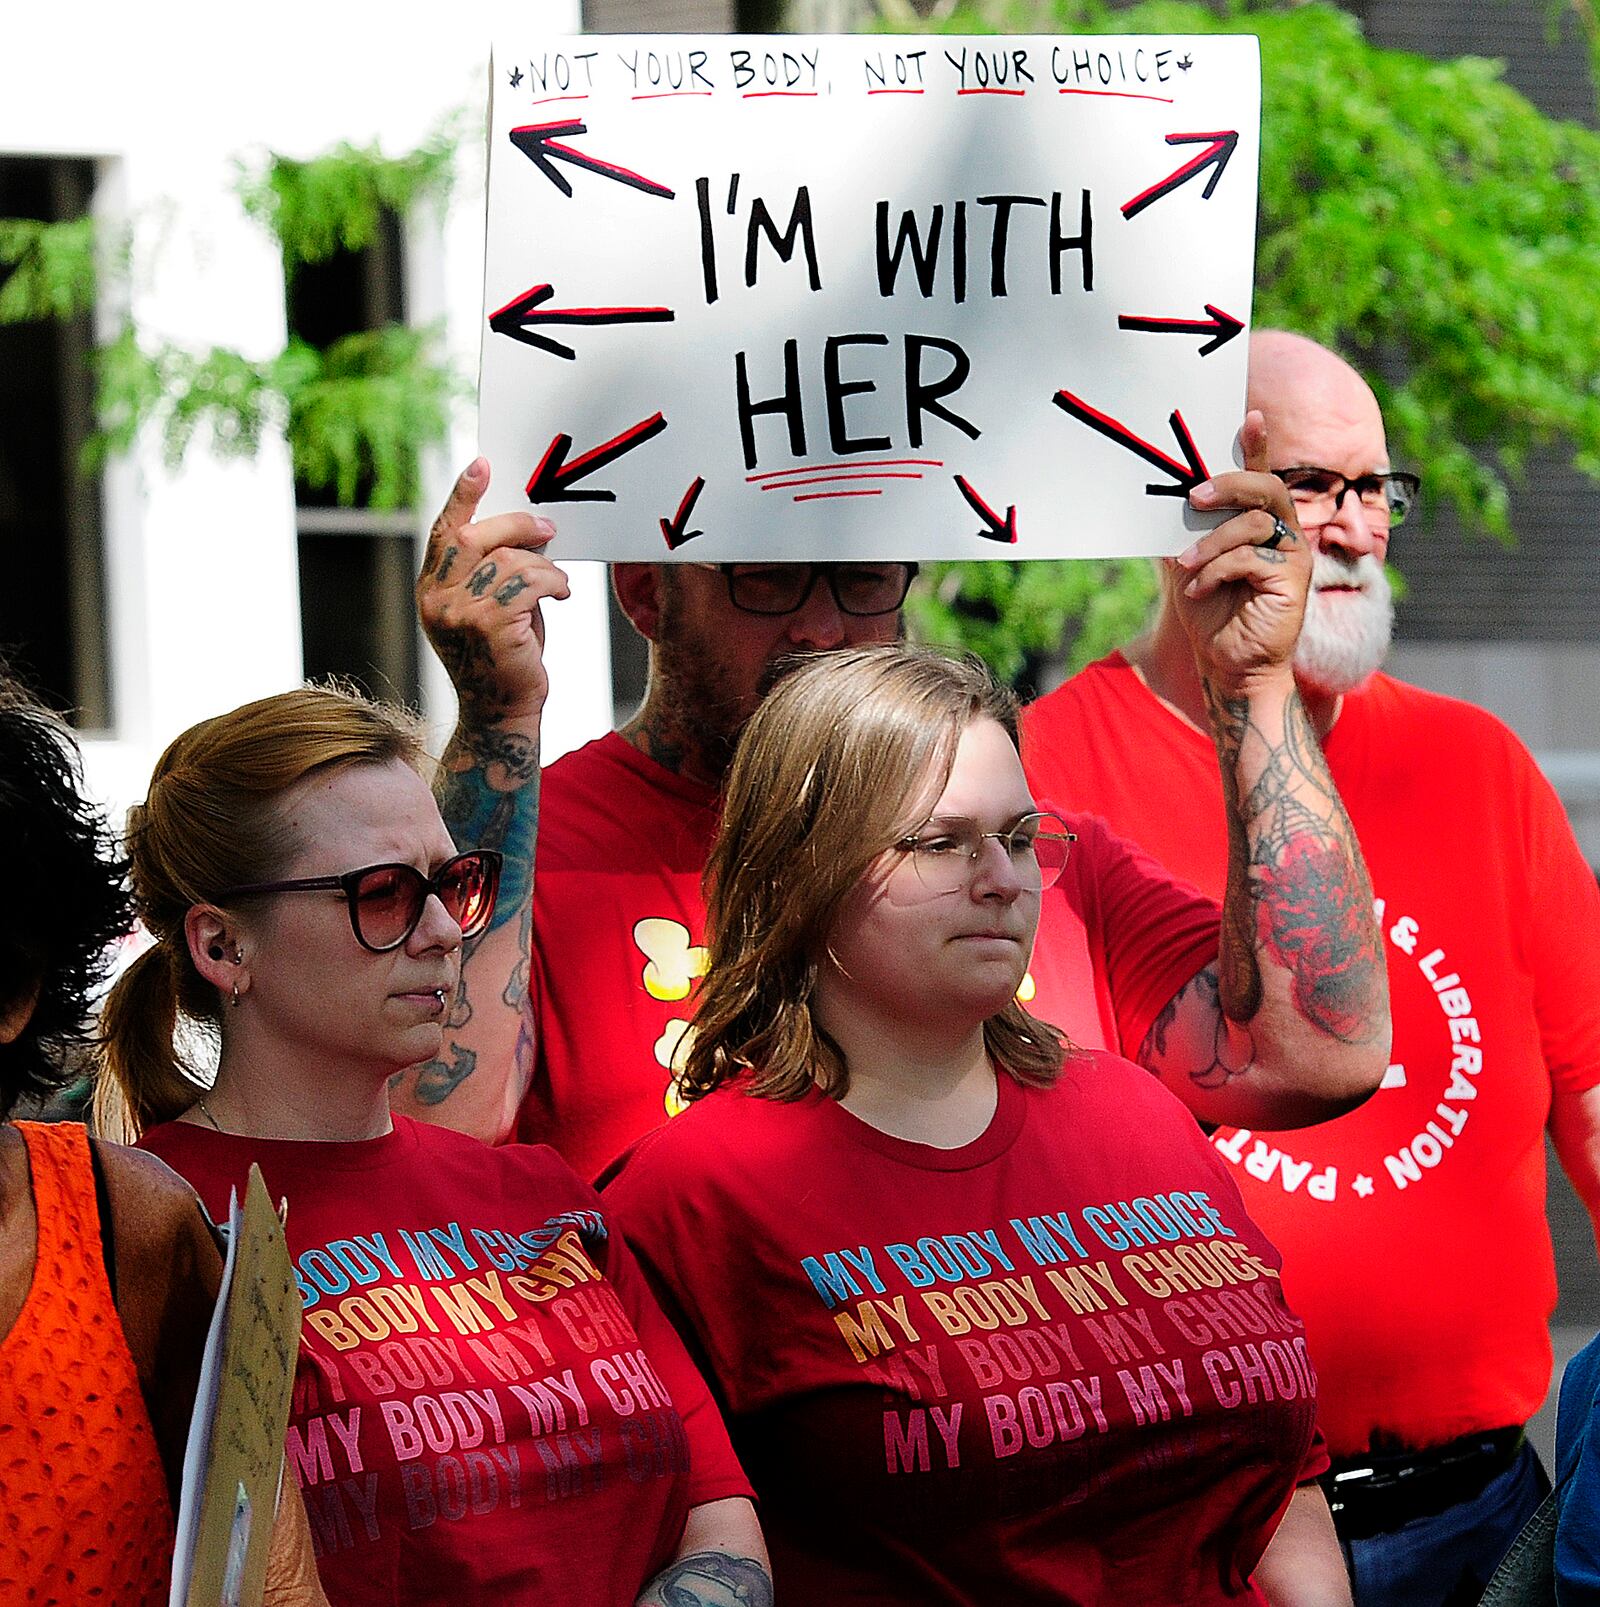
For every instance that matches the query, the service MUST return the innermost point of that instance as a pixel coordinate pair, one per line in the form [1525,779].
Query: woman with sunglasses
[490,1407]
[985,1313]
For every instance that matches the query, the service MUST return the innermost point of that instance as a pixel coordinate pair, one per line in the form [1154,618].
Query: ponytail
[142,1079]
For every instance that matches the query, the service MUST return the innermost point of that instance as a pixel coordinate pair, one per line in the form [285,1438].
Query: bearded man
[1413,1229]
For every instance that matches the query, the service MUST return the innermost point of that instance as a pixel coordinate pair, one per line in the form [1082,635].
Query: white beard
[1344,639]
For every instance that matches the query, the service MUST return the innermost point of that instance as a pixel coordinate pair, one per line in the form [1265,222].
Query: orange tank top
[84,1511]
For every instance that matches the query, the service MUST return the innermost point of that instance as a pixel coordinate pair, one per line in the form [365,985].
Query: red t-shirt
[1414,1228]
[619,921]
[490,1407]
[1052,1366]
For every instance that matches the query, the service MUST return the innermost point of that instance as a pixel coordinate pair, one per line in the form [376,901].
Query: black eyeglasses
[386,901]
[1318,494]
[859,589]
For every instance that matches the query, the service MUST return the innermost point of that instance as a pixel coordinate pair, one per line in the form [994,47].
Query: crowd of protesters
[958,1151]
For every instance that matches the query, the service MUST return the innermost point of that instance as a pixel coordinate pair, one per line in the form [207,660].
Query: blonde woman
[985,1314]
[490,1407]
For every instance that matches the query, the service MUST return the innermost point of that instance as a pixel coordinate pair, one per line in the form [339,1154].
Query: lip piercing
[438,993]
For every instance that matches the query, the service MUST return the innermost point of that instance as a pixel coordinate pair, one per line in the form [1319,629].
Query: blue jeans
[1446,1560]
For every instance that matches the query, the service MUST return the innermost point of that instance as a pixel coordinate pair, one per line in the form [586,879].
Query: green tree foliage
[355,415]
[338,201]
[363,407]
[1419,216]
[52,269]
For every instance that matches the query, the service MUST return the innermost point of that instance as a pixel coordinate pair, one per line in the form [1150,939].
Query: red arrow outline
[563,475]
[672,531]
[1188,475]
[514,318]
[1221,326]
[1219,151]
[999,529]
[538,144]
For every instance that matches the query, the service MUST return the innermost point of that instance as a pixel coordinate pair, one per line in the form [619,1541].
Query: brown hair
[213,820]
[826,776]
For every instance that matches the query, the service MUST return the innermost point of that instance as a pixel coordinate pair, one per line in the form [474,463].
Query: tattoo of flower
[1303,898]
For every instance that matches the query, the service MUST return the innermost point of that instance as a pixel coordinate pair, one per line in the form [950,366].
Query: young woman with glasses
[984,1312]
[490,1407]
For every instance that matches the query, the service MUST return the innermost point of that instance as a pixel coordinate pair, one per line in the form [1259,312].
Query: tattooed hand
[1241,589]
[478,596]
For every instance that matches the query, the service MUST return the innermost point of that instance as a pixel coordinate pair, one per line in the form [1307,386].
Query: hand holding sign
[1241,590]
[479,594]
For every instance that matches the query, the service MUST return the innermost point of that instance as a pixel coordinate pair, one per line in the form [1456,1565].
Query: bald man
[1413,1229]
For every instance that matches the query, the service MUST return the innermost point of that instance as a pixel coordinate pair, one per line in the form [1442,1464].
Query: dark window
[52,600]
[356,613]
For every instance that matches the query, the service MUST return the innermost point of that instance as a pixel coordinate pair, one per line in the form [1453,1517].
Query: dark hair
[66,904]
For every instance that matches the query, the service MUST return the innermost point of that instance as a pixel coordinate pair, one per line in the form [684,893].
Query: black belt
[1376,1494]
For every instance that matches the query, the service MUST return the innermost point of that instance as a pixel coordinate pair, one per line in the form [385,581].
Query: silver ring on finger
[1281,533]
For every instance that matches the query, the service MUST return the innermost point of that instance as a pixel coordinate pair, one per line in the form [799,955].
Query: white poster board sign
[866,297]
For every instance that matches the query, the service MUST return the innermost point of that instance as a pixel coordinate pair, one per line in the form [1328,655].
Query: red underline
[758,94]
[818,496]
[896,92]
[861,463]
[667,94]
[991,92]
[546,99]
[1119,94]
[823,479]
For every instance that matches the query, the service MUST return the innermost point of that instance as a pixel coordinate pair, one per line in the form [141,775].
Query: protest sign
[868,297]
[234,1460]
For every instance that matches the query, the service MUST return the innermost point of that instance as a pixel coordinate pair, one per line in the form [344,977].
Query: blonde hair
[213,820]
[826,777]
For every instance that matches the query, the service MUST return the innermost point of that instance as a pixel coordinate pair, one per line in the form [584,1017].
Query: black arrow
[1188,474]
[673,529]
[554,478]
[1218,152]
[537,141]
[1220,326]
[995,528]
[514,318]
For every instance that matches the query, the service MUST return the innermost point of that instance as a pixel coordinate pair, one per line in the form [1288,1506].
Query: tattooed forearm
[488,792]
[710,1579]
[1192,1035]
[1298,892]
[436,1080]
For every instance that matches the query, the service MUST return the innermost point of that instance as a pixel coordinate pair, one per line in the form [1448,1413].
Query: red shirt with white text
[490,1407]
[1413,1230]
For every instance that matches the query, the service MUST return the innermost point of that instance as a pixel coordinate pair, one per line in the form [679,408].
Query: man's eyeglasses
[945,852]
[859,589]
[386,901]
[1318,494]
